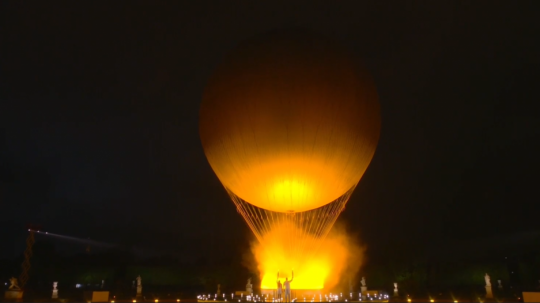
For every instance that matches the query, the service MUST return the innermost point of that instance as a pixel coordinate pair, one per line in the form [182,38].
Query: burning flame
[317,263]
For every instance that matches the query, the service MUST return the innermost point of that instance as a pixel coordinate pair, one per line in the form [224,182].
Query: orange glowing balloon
[289,122]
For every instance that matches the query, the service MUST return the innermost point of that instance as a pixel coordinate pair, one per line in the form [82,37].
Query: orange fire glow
[317,263]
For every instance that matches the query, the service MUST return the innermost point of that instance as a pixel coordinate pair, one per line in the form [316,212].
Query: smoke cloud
[317,263]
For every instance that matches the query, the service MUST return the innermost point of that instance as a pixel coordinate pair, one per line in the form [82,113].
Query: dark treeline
[459,267]
[116,269]
[460,271]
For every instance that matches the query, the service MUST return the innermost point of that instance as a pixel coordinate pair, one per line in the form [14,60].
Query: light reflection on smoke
[322,264]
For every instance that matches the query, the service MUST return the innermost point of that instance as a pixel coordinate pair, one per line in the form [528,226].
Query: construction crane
[23,278]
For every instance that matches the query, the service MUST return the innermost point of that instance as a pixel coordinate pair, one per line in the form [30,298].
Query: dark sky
[99,119]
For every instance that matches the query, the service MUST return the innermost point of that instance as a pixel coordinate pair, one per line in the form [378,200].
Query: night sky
[99,108]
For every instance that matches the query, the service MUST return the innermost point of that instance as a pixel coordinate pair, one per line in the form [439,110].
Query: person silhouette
[279,287]
[287,285]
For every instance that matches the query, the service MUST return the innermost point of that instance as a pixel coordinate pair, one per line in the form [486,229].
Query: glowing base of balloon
[295,293]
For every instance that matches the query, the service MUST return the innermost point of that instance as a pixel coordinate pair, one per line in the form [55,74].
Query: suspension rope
[312,224]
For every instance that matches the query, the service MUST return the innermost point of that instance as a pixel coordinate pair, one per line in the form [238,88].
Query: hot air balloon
[289,122]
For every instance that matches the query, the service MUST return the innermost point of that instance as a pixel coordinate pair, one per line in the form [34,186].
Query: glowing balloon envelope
[289,122]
